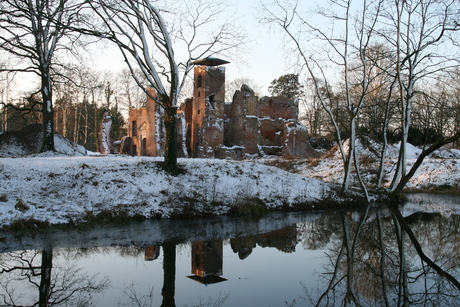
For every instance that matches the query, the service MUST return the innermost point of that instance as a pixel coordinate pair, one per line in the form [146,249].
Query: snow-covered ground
[58,188]
[440,170]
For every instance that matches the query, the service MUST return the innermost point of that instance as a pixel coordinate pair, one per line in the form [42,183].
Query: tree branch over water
[419,250]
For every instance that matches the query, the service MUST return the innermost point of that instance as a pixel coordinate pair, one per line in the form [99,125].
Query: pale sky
[264,56]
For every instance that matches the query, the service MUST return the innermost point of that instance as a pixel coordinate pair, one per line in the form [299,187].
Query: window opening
[134,128]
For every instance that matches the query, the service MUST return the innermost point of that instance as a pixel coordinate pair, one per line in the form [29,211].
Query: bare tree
[420,33]
[56,285]
[34,32]
[344,33]
[133,95]
[418,46]
[147,44]
[235,85]
[313,113]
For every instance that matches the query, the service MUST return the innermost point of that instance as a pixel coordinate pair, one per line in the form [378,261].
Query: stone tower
[206,125]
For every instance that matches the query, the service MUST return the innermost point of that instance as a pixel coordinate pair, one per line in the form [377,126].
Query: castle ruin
[208,127]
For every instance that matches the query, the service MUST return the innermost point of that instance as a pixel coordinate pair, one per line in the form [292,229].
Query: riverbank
[61,189]
[73,188]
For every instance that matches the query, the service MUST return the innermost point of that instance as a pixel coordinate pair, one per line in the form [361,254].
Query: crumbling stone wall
[266,126]
[208,127]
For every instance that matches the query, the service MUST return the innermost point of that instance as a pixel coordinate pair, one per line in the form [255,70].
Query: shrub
[249,207]
[21,206]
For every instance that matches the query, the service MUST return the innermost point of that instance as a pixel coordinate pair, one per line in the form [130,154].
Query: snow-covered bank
[70,186]
[59,189]
[439,172]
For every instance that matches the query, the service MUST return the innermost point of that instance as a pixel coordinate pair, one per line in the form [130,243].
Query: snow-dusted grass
[439,172]
[60,189]
[57,188]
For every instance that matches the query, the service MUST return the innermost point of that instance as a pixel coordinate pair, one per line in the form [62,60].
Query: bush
[249,207]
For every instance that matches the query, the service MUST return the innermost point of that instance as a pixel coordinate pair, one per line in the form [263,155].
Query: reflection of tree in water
[378,260]
[318,233]
[45,282]
[128,251]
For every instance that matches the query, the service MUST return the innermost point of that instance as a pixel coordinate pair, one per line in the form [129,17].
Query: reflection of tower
[152,253]
[206,123]
[207,261]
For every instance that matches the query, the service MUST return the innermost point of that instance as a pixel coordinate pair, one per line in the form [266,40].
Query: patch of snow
[64,146]
[61,187]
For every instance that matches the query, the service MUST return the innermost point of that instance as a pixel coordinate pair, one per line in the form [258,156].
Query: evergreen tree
[287,85]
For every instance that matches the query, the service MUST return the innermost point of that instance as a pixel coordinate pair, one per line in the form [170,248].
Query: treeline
[81,99]
[435,111]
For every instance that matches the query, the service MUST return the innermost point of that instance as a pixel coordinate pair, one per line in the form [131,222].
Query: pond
[370,257]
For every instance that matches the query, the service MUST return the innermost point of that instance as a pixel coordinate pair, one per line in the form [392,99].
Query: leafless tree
[420,32]
[344,33]
[56,285]
[400,45]
[34,32]
[150,44]
[235,85]
[133,95]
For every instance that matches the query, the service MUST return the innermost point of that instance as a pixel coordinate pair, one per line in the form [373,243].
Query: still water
[368,257]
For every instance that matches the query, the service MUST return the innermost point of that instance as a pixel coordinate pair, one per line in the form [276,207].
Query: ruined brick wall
[296,141]
[266,126]
[197,108]
[207,127]
[278,107]
[243,120]
[142,128]
[146,130]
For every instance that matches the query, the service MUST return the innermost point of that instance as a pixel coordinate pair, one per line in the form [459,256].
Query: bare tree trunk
[170,154]
[396,193]
[45,280]
[47,111]
[169,275]
[385,140]
[76,126]
[382,258]
[403,295]
[404,228]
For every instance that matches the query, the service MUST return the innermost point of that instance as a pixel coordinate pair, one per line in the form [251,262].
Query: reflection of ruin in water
[207,262]
[372,258]
[284,240]
[207,256]
[152,253]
